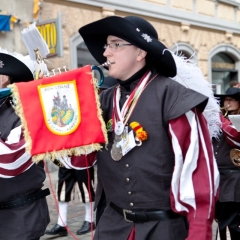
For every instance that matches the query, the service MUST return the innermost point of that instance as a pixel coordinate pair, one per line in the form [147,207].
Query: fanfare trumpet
[224,110]
[40,60]
[105,64]
[235,157]
[4,92]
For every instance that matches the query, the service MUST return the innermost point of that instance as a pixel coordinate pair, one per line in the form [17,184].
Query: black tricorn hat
[15,68]
[231,92]
[134,30]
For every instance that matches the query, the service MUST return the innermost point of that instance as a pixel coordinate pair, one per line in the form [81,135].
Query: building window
[223,72]
[186,50]
[84,57]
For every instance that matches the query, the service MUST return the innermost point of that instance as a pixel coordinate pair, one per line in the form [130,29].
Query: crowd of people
[158,177]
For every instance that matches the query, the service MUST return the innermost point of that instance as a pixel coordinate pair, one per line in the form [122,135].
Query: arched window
[223,67]
[185,50]
[84,57]
[223,71]
[80,55]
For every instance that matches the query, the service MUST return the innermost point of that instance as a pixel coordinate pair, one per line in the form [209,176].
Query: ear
[141,55]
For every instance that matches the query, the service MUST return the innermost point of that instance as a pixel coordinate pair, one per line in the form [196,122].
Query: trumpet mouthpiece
[106,64]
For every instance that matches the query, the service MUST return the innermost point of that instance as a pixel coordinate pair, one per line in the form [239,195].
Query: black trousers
[227,215]
[68,177]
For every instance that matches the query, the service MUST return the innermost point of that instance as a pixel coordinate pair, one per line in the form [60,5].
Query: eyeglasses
[115,46]
[230,100]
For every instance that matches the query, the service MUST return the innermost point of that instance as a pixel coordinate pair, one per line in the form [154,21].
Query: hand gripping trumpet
[224,111]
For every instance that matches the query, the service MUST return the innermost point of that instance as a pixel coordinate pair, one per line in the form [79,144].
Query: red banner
[61,115]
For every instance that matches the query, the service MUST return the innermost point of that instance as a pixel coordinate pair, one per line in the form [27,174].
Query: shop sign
[51,30]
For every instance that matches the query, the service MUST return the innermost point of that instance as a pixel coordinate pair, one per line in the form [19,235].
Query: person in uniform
[226,150]
[23,207]
[158,167]
[70,183]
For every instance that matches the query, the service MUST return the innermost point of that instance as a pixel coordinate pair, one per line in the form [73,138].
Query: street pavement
[76,211]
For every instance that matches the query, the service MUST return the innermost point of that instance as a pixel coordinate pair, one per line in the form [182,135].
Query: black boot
[57,230]
[86,227]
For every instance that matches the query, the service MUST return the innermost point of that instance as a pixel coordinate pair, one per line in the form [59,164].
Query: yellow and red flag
[61,115]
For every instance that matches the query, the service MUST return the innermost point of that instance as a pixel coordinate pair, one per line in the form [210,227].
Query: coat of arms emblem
[60,105]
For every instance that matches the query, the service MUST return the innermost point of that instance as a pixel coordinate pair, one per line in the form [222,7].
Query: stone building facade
[208,31]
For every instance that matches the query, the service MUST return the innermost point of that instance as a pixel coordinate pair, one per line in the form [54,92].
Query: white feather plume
[32,65]
[189,75]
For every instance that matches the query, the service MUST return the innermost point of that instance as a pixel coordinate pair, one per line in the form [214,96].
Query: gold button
[129,193]
[127,165]
[127,179]
[131,204]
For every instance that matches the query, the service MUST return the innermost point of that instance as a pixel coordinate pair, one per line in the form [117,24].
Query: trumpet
[235,157]
[106,64]
[224,110]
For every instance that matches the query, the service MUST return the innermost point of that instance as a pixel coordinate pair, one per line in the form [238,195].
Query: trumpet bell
[235,157]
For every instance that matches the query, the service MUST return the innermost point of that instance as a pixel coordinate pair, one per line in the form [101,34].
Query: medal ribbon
[130,103]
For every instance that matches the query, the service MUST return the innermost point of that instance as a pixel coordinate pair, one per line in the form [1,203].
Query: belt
[140,217]
[19,202]
[228,170]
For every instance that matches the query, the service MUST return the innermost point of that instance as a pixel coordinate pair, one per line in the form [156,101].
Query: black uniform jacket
[29,221]
[229,189]
[141,179]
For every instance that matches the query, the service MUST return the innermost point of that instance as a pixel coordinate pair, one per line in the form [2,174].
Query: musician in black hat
[23,207]
[158,165]
[226,150]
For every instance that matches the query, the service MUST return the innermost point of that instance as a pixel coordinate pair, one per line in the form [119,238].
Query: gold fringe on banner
[77,151]
[84,150]
[19,111]
[99,110]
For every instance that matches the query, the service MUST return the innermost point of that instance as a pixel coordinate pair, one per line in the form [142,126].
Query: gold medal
[235,157]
